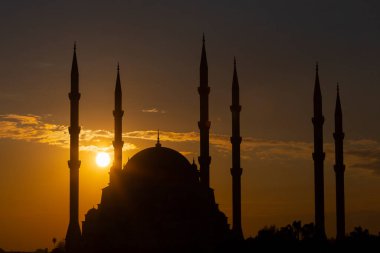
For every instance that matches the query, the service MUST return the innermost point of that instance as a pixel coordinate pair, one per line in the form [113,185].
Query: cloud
[43,65]
[153,110]
[359,154]
[29,119]
[32,128]
[364,154]
[186,153]
[164,136]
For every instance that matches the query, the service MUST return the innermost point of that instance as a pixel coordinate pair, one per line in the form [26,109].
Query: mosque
[158,201]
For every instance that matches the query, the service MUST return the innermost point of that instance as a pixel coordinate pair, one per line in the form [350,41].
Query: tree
[297,226]
[359,233]
[308,231]
[60,248]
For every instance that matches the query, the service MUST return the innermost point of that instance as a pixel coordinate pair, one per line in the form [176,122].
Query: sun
[103,159]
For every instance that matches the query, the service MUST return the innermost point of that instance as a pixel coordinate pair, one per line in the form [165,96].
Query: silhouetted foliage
[297,227]
[359,233]
[293,237]
[60,248]
[308,231]
[296,237]
[41,251]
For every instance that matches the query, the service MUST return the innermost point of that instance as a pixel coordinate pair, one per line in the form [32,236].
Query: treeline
[296,237]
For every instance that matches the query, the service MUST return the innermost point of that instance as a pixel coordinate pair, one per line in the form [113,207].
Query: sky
[158,46]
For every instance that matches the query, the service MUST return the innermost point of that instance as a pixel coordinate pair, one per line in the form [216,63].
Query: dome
[156,204]
[161,163]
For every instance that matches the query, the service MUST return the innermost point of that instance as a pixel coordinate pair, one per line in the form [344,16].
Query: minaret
[73,235]
[339,170]
[204,124]
[118,131]
[236,170]
[318,157]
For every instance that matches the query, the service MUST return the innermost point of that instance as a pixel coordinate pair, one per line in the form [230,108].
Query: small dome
[161,163]
[91,214]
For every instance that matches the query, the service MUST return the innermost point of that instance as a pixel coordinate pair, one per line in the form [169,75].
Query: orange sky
[158,47]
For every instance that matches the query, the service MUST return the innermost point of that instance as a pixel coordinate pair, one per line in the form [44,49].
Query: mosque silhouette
[159,201]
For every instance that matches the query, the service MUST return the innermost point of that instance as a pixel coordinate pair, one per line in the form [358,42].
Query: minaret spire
[236,170]
[204,124]
[158,144]
[118,138]
[73,235]
[74,73]
[339,169]
[318,157]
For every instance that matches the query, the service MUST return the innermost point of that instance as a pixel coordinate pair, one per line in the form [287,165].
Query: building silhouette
[339,169]
[318,157]
[236,170]
[204,124]
[73,235]
[159,201]
[118,132]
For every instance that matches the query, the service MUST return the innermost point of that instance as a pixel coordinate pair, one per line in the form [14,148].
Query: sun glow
[103,159]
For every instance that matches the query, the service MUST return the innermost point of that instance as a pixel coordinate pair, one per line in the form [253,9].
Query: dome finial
[158,144]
